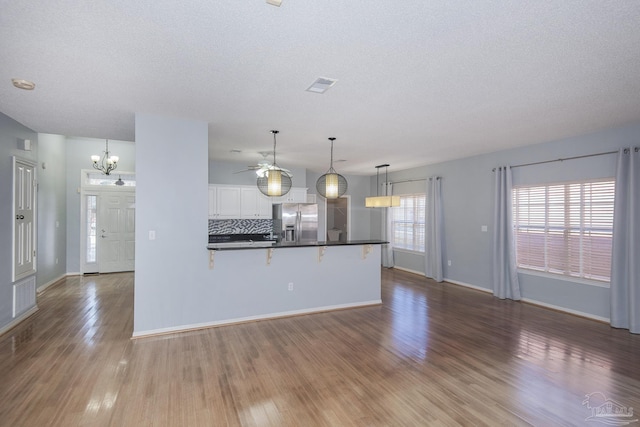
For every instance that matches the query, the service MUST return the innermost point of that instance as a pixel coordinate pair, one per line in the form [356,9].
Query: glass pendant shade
[275,182]
[331,185]
[382,201]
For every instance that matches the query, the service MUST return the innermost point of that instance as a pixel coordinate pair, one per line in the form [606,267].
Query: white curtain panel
[505,273]
[387,250]
[433,267]
[625,265]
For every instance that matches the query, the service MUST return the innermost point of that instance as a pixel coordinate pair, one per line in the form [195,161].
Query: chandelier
[276,181]
[331,185]
[107,163]
[385,201]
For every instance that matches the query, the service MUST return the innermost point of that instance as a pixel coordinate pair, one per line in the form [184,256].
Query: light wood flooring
[431,355]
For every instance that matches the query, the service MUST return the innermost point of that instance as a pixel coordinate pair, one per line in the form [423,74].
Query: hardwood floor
[431,354]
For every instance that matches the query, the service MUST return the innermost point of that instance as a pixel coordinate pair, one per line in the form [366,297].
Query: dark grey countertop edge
[304,245]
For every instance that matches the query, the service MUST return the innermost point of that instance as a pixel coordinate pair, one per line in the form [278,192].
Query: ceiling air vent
[321,85]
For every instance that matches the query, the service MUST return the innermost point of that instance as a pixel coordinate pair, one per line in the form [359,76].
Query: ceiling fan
[263,166]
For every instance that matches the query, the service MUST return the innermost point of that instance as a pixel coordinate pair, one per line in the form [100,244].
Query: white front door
[115,231]
[24,233]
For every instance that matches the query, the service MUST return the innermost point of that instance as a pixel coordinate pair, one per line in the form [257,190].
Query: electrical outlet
[290,286]
[449,263]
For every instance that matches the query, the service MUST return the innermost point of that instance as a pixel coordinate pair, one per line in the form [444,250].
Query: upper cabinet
[295,195]
[254,204]
[244,201]
[224,202]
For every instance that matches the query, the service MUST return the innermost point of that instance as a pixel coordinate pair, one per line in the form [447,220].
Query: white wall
[52,208]
[170,273]
[467,187]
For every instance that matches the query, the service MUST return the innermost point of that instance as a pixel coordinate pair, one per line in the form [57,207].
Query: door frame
[349,232]
[34,202]
[93,190]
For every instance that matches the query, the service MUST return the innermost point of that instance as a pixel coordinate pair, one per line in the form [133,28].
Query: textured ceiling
[419,81]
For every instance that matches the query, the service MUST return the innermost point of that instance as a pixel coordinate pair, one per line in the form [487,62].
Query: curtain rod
[561,159]
[408,180]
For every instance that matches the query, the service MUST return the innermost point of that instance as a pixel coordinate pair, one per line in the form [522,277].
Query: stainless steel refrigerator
[296,222]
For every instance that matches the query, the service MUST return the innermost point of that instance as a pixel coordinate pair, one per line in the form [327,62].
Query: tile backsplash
[240,226]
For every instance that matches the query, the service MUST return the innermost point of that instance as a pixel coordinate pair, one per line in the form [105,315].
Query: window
[407,222]
[92,209]
[565,228]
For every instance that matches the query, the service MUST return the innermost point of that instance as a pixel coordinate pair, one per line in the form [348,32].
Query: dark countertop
[279,245]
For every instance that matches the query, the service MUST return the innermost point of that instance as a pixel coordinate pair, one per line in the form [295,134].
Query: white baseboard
[408,270]
[567,310]
[186,328]
[49,283]
[19,319]
[538,303]
[468,285]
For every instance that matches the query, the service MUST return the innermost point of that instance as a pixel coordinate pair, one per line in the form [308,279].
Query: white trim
[538,303]
[185,328]
[420,273]
[49,283]
[19,319]
[409,251]
[468,285]
[564,278]
[567,310]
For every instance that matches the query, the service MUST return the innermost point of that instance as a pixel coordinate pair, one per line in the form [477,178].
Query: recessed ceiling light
[23,84]
[274,2]
[235,151]
[321,85]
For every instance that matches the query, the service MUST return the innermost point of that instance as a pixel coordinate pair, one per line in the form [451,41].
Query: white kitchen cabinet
[295,195]
[244,201]
[254,204]
[224,202]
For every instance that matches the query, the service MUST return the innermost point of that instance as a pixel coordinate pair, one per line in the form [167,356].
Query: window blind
[408,223]
[565,228]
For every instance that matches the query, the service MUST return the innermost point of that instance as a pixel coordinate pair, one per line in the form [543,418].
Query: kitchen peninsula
[287,279]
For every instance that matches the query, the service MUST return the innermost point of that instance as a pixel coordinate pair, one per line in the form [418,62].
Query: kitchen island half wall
[264,283]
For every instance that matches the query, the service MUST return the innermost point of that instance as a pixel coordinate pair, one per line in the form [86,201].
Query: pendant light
[276,181]
[108,162]
[385,201]
[331,185]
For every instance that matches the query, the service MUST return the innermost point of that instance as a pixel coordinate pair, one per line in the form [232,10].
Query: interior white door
[24,235]
[116,231]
